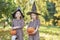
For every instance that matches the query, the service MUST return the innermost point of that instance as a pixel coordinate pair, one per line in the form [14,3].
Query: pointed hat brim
[29,13]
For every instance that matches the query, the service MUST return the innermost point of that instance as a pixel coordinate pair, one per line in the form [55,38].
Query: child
[35,23]
[18,24]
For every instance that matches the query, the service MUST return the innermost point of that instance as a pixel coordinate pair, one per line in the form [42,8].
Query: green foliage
[7,8]
[45,8]
[51,8]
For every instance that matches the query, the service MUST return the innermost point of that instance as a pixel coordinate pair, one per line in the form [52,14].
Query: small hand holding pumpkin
[34,32]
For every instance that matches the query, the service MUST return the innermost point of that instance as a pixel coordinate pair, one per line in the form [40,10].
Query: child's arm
[15,27]
[35,30]
[37,26]
[22,24]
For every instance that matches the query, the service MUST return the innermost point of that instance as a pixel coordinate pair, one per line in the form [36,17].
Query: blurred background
[49,18]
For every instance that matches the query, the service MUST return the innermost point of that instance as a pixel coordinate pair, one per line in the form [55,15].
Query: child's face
[18,14]
[33,16]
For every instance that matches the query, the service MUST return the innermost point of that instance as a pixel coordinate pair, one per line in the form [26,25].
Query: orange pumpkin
[13,32]
[30,30]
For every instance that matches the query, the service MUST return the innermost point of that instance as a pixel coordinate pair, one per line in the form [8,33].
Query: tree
[51,10]
[6,9]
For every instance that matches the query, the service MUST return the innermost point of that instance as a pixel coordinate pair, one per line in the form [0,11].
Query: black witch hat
[34,10]
[18,9]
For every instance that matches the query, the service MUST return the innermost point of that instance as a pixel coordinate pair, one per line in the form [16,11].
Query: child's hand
[15,27]
[34,32]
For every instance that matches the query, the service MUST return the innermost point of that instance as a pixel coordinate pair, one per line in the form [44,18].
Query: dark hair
[13,15]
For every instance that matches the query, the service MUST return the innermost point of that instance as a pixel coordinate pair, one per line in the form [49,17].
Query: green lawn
[46,33]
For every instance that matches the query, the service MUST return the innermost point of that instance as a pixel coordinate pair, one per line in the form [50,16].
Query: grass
[51,33]
[52,30]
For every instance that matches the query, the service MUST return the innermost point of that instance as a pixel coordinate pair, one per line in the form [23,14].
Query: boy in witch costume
[18,24]
[35,23]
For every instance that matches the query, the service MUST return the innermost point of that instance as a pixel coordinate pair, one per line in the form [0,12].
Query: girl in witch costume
[35,23]
[18,24]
